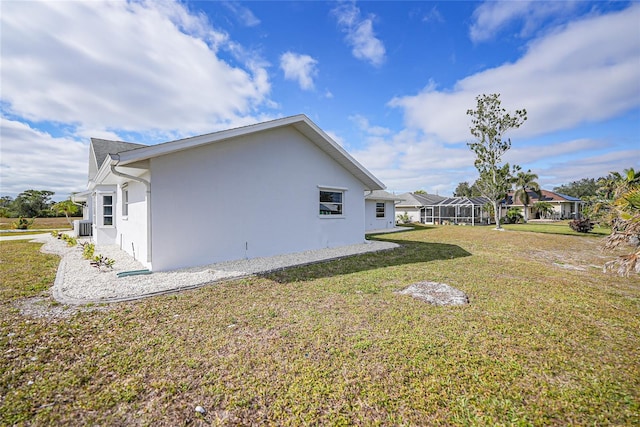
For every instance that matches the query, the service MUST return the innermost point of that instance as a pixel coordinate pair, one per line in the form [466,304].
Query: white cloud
[555,173]
[586,72]
[409,161]
[121,66]
[360,34]
[492,16]
[300,68]
[243,14]
[33,159]
[364,125]
[433,15]
[522,154]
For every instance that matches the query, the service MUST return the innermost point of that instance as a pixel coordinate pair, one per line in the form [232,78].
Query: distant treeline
[36,203]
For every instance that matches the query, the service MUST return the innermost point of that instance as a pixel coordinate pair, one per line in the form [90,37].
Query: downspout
[116,158]
[73,200]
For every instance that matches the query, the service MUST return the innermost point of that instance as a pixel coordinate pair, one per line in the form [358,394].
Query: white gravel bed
[77,282]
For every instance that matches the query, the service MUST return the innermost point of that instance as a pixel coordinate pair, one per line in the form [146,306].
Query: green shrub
[513,216]
[403,219]
[581,225]
[23,223]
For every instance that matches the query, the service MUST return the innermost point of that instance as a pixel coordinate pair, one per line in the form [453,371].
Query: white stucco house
[380,210]
[272,188]
[563,206]
[414,205]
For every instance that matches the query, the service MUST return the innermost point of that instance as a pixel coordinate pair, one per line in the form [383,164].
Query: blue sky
[390,81]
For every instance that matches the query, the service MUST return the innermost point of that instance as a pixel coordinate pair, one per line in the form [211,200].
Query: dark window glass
[330,203]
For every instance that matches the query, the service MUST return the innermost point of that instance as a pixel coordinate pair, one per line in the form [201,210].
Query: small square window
[331,202]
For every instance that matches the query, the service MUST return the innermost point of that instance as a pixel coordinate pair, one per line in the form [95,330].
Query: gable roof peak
[131,153]
[99,150]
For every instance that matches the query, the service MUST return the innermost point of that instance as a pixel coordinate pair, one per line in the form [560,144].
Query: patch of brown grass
[56,223]
[333,344]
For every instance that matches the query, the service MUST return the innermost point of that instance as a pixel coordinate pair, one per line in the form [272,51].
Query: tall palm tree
[67,207]
[608,185]
[630,179]
[526,182]
[626,229]
[611,188]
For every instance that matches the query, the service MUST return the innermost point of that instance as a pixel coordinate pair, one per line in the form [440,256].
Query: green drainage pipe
[133,273]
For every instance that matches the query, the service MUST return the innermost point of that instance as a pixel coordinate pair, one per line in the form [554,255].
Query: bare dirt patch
[436,293]
[47,308]
[587,257]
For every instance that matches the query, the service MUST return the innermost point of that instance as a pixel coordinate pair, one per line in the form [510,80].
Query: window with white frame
[125,201]
[107,210]
[380,210]
[331,202]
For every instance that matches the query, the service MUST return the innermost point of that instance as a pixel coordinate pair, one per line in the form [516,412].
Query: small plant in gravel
[55,233]
[87,250]
[100,261]
[71,241]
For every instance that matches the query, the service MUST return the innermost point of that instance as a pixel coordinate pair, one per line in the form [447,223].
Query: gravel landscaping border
[78,283]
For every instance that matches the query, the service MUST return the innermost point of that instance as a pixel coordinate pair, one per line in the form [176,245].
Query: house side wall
[254,196]
[372,222]
[132,228]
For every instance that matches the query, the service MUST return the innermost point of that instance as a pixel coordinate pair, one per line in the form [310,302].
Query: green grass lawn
[547,339]
[559,227]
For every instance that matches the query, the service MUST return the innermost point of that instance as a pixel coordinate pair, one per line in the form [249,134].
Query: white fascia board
[380,199]
[339,154]
[103,172]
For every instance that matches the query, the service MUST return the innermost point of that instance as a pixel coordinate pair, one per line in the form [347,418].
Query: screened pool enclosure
[456,210]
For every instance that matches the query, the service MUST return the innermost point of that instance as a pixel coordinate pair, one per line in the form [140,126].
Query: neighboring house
[380,210]
[564,207]
[271,188]
[416,206]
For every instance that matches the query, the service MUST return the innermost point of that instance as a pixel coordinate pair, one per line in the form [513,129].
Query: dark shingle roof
[569,198]
[413,199]
[381,195]
[100,150]
[546,196]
